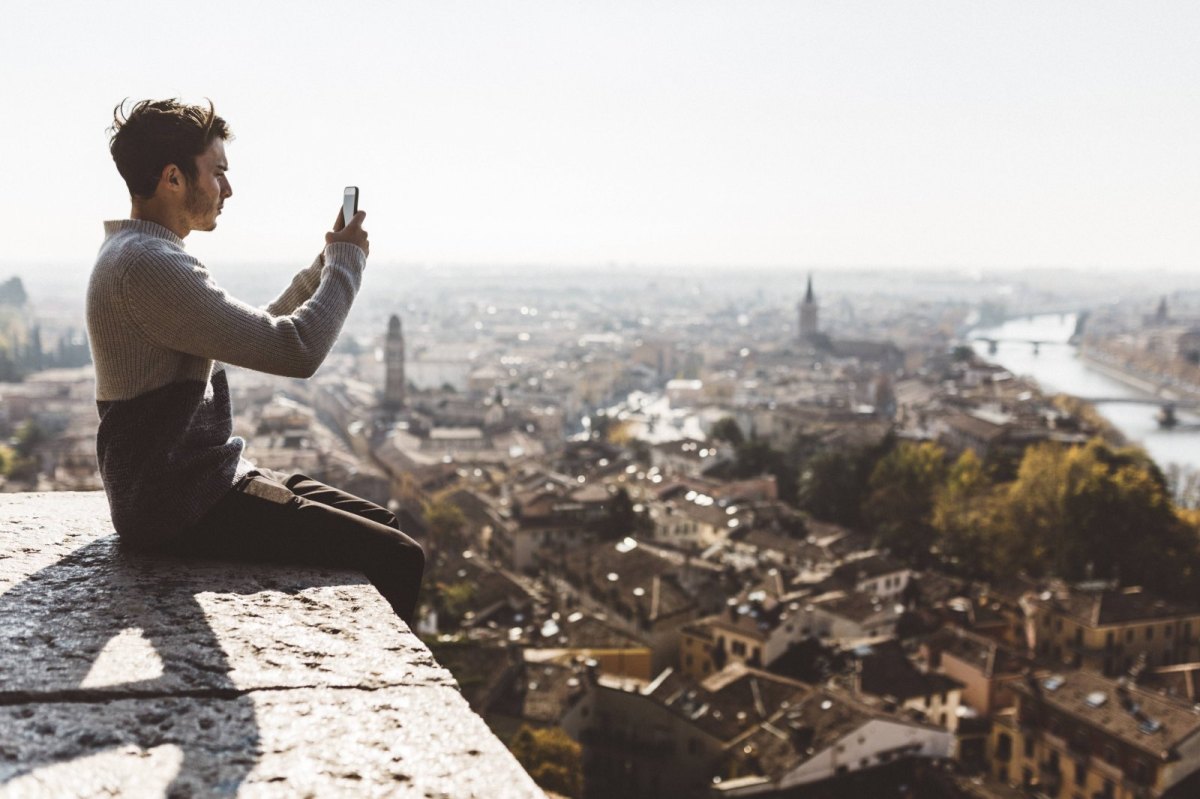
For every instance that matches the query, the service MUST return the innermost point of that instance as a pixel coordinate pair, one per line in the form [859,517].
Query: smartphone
[349,204]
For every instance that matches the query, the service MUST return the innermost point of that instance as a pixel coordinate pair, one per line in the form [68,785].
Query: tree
[452,601]
[900,502]
[28,437]
[445,520]
[964,517]
[726,429]
[1096,511]
[833,483]
[550,756]
[621,519]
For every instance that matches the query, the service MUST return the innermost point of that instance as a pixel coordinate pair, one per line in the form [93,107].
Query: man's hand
[352,233]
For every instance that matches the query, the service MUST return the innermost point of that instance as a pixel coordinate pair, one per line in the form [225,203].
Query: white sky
[750,132]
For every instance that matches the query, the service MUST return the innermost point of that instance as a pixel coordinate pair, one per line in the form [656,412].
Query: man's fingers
[357,219]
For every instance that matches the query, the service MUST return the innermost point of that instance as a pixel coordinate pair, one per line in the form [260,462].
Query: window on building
[1149,633]
[1078,636]
[739,648]
[1108,639]
[1080,773]
[1029,746]
[1004,747]
[1129,636]
[1168,631]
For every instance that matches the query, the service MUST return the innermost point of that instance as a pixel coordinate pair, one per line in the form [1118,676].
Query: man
[160,330]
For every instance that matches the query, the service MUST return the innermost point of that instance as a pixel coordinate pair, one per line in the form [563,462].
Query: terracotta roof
[1101,608]
[1154,723]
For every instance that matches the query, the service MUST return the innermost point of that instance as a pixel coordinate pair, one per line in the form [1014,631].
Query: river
[1058,369]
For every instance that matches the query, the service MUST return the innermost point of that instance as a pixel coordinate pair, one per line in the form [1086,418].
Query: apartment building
[1084,735]
[1111,630]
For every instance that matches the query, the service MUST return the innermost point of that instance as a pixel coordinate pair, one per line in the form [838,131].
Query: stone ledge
[138,675]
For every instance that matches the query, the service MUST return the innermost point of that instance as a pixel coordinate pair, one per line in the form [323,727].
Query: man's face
[207,193]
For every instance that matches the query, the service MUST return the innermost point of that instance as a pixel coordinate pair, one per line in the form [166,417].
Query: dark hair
[159,132]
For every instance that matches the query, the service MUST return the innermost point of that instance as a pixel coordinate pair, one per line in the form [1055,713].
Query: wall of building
[876,742]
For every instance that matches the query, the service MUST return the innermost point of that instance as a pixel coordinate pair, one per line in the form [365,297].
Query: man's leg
[262,519]
[305,486]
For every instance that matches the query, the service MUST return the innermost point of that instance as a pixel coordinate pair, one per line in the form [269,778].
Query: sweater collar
[143,226]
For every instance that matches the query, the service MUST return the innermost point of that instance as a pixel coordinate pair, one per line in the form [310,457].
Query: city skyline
[775,135]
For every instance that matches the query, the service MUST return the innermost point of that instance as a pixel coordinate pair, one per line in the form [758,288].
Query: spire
[809,299]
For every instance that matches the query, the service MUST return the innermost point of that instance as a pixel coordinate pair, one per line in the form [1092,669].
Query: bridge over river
[1037,344]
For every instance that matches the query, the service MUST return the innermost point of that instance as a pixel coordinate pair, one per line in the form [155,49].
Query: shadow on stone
[109,650]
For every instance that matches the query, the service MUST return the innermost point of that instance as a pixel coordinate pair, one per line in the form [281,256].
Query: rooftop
[1118,606]
[1150,721]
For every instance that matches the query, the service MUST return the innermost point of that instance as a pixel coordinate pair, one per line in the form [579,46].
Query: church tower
[808,313]
[393,391]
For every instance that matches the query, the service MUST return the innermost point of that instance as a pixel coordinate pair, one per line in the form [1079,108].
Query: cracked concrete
[134,675]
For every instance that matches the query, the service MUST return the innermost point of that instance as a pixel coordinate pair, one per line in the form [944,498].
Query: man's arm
[172,300]
[302,287]
[304,283]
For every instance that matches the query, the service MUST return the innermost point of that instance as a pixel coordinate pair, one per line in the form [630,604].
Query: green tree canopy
[1094,511]
[964,511]
[900,499]
[550,756]
[445,520]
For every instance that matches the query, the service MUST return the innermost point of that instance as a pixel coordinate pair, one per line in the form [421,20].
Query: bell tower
[393,391]
[808,312]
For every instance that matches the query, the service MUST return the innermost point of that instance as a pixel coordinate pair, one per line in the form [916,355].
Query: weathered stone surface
[411,741]
[132,675]
[275,626]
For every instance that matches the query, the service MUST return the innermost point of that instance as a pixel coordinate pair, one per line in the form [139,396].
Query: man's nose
[226,189]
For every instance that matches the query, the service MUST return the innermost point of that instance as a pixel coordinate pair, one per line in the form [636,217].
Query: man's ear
[172,178]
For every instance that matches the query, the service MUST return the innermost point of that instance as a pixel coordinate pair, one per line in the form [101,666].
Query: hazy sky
[766,133]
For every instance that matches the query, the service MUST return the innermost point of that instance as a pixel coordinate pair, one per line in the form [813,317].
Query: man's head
[172,157]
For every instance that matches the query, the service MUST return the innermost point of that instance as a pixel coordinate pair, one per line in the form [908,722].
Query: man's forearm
[304,283]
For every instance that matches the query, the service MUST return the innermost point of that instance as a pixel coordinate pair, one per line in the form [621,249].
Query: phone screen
[349,204]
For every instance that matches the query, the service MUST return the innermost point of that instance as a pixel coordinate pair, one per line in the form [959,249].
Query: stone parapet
[133,675]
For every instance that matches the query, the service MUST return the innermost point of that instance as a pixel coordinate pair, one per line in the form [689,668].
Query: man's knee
[408,552]
[417,554]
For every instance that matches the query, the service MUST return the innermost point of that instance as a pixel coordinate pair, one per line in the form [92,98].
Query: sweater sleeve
[174,302]
[302,287]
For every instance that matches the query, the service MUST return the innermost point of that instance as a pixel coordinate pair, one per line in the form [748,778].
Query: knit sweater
[159,329]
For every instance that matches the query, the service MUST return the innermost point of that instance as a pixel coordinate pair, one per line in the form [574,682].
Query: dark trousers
[269,516]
